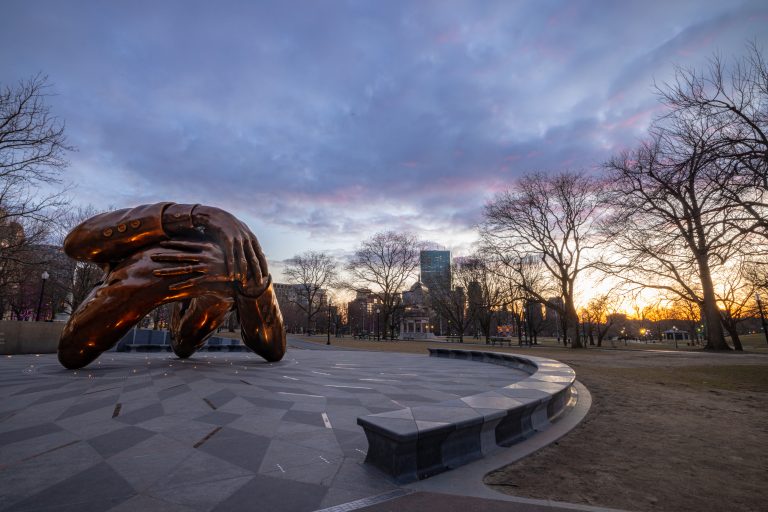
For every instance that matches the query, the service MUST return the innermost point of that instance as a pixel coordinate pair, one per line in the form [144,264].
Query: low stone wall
[29,337]
[418,442]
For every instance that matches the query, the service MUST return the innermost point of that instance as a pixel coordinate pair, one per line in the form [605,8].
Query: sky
[322,122]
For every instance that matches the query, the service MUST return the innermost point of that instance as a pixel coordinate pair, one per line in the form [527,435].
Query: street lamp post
[328,342]
[526,325]
[378,324]
[762,316]
[45,277]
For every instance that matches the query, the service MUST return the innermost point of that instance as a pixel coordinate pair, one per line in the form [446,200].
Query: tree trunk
[712,319]
[564,328]
[736,341]
[730,326]
[572,328]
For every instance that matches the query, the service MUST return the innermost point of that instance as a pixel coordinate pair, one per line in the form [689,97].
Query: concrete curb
[468,480]
[420,442]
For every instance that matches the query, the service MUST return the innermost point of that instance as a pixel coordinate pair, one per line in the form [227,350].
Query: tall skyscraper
[436,269]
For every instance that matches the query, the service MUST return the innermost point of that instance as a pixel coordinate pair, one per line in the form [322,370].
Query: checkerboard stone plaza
[218,431]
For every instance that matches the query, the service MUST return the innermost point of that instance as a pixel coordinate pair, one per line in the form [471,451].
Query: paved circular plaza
[220,431]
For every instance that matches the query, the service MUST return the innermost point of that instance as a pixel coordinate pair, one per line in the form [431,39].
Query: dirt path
[663,434]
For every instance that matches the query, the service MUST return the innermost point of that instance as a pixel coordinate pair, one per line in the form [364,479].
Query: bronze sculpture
[201,258]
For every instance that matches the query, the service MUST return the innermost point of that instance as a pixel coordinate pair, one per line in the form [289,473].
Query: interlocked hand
[206,274]
[242,253]
[202,260]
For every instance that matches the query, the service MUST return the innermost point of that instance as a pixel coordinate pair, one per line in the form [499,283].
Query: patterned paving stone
[220,431]
[270,493]
[22,434]
[96,489]
[118,440]
[218,418]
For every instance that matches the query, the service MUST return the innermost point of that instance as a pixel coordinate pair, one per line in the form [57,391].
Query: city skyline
[320,124]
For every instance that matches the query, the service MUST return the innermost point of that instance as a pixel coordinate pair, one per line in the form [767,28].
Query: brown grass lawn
[668,431]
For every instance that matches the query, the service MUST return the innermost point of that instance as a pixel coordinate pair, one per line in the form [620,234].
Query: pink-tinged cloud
[338,117]
[563,15]
[450,36]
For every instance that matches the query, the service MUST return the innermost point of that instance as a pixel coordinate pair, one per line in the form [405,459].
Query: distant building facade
[415,320]
[435,270]
[361,313]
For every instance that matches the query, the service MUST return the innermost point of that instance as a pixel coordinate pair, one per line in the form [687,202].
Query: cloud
[322,123]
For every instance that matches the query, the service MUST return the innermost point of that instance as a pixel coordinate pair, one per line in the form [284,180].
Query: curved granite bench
[418,442]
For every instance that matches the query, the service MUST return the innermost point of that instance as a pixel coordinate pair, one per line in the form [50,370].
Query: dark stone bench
[148,340]
[418,442]
[217,343]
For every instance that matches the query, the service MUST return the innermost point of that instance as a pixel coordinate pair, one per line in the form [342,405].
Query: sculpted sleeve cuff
[177,218]
[261,323]
[112,235]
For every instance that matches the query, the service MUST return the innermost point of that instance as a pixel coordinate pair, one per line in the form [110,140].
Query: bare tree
[736,294]
[82,275]
[601,315]
[384,263]
[528,274]
[549,220]
[671,225]
[32,142]
[734,101]
[690,314]
[312,273]
[656,314]
[488,291]
[32,150]
[756,272]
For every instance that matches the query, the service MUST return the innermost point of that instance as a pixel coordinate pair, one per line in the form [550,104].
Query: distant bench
[500,340]
[418,442]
